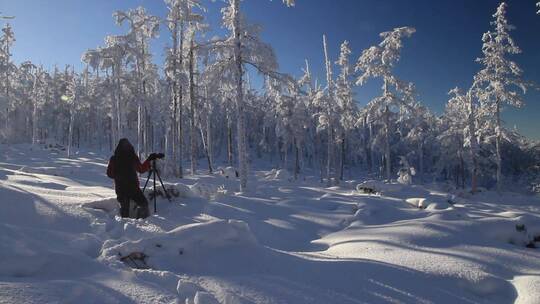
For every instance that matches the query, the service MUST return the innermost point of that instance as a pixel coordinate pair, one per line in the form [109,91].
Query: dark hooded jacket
[124,166]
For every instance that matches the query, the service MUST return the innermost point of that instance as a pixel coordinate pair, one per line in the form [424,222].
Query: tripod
[154,171]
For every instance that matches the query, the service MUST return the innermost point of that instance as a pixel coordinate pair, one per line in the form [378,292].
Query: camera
[155,156]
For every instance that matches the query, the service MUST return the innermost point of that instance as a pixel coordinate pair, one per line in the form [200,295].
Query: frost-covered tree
[500,82]
[71,97]
[378,62]
[456,135]
[142,28]
[180,15]
[39,93]
[346,106]
[328,115]
[246,49]
[6,68]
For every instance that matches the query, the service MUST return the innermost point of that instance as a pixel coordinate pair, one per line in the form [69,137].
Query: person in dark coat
[123,168]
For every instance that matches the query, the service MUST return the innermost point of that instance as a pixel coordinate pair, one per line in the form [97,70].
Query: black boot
[124,207]
[143,212]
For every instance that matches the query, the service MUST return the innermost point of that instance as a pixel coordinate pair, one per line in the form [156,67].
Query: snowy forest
[200,107]
[178,162]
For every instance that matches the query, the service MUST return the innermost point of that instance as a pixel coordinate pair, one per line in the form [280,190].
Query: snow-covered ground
[281,242]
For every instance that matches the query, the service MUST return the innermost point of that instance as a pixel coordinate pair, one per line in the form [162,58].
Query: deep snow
[281,242]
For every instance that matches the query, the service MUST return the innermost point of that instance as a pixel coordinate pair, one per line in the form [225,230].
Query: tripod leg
[164,189]
[155,193]
[147,179]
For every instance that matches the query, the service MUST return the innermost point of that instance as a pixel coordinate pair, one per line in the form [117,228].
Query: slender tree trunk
[193,139]
[421,160]
[296,159]
[173,128]
[373,155]
[241,119]
[461,165]
[229,142]
[473,143]
[285,149]
[209,143]
[35,124]
[35,113]
[171,141]
[7,86]
[342,158]
[180,135]
[119,133]
[320,154]
[330,129]
[205,147]
[387,143]
[70,131]
[498,146]
[329,157]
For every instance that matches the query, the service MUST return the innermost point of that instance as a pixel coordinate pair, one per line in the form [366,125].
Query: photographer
[123,167]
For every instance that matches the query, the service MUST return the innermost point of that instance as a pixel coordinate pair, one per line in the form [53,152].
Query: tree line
[200,105]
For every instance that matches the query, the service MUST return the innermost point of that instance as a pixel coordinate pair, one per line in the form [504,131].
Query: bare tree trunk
[205,147]
[328,113]
[229,142]
[35,113]
[116,75]
[473,143]
[498,146]
[421,160]
[318,143]
[461,165]
[180,135]
[193,139]
[7,86]
[342,158]
[387,143]
[70,131]
[329,157]
[209,143]
[285,148]
[296,159]
[241,119]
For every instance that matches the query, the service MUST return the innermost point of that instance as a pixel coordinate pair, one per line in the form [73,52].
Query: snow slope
[281,242]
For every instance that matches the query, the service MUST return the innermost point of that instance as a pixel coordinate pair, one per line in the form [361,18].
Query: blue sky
[437,58]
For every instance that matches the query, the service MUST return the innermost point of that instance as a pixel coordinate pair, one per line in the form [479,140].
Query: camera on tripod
[155,156]
[153,172]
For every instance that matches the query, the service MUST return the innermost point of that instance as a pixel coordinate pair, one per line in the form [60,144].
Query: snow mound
[228,172]
[423,203]
[379,186]
[195,247]
[204,190]
[28,252]
[493,289]
[278,174]
[520,230]
[528,289]
[202,297]
[109,205]
[178,190]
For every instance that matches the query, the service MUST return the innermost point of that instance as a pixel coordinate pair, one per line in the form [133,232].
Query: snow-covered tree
[180,15]
[71,97]
[346,106]
[6,68]
[142,28]
[500,82]
[246,49]
[38,97]
[378,62]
